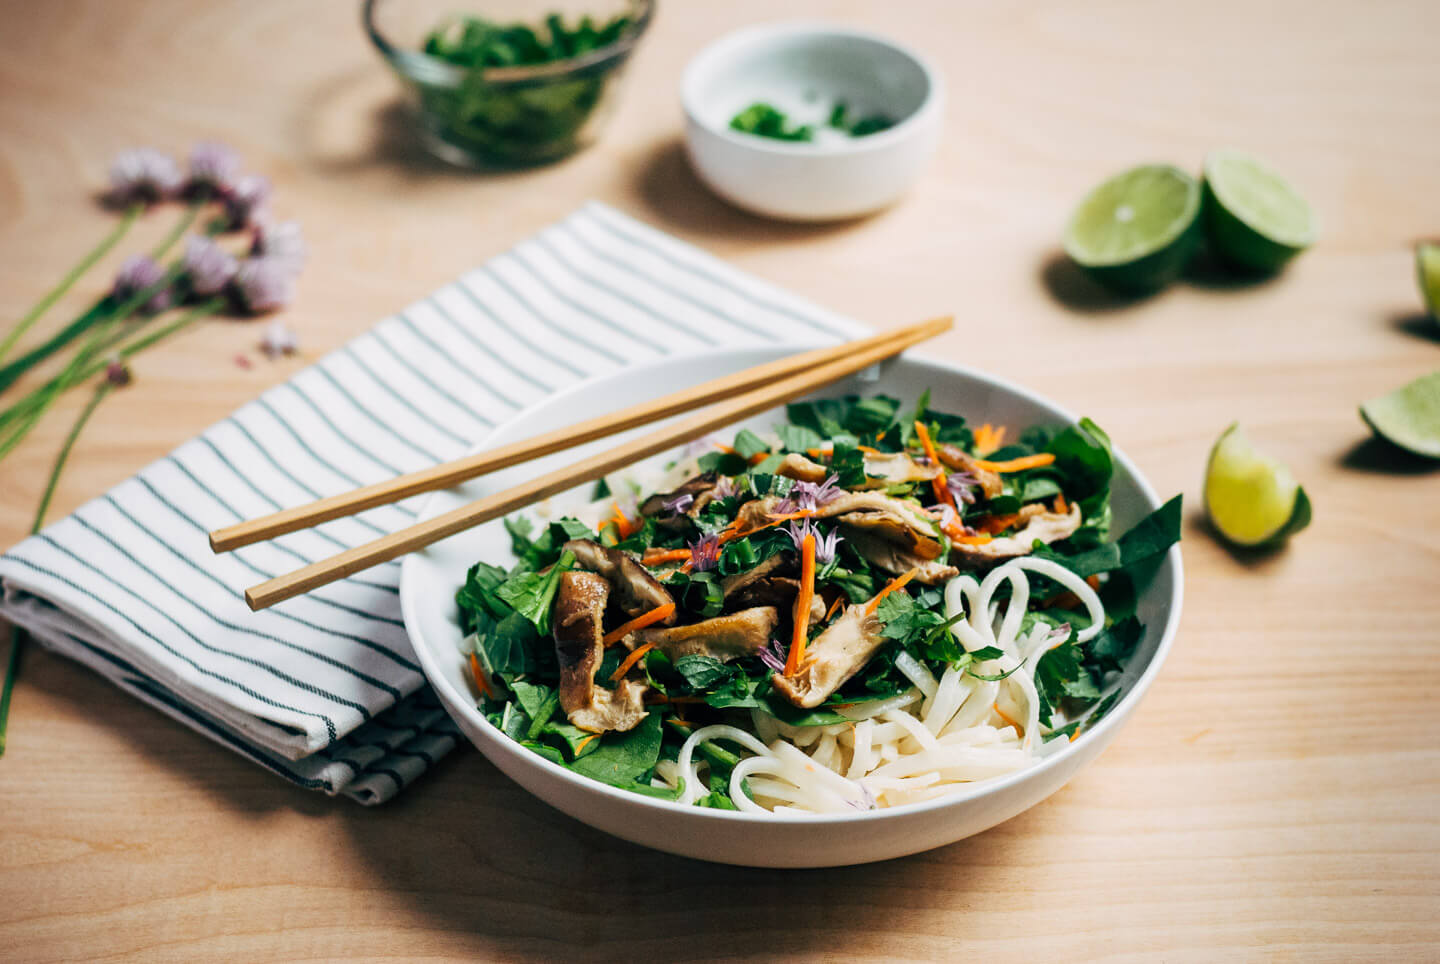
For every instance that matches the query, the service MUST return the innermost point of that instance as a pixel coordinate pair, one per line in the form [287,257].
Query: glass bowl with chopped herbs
[866,623]
[508,84]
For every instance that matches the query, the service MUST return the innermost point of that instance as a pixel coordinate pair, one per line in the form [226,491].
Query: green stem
[67,282]
[17,640]
[181,226]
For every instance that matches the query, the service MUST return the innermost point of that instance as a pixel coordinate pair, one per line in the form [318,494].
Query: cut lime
[1136,231]
[1252,499]
[1427,266]
[1254,217]
[1409,416]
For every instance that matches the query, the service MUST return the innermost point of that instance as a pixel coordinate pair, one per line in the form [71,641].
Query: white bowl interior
[804,72]
[430,578]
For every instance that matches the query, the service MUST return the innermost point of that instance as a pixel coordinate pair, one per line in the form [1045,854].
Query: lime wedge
[1409,416]
[1427,266]
[1254,217]
[1252,499]
[1136,231]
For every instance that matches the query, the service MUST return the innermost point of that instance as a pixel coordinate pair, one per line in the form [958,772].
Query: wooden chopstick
[445,475]
[422,534]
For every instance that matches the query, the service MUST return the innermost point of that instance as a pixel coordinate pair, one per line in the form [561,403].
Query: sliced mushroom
[724,637]
[580,601]
[900,523]
[895,560]
[731,585]
[701,489]
[955,458]
[834,656]
[1038,523]
[756,513]
[894,468]
[776,591]
[636,591]
[798,467]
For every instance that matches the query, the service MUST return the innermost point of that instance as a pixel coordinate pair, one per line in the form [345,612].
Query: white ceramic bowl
[804,69]
[430,578]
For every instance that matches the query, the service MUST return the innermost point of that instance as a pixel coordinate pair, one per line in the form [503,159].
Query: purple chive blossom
[245,201]
[208,266]
[774,655]
[678,503]
[281,240]
[825,545]
[705,553]
[117,373]
[280,339]
[213,166]
[264,284]
[135,275]
[142,175]
[1057,635]
[698,447]
[809,496]
[962,487]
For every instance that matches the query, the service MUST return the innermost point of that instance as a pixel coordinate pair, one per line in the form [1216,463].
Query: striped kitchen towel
[324,689]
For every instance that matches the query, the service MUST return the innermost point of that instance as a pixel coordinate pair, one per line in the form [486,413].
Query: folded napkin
[324,689]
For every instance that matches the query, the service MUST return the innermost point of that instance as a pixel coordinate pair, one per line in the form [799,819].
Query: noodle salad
[873,605]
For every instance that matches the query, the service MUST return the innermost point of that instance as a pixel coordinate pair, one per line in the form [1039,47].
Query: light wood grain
[413,538]
[448,474]
[1278,793]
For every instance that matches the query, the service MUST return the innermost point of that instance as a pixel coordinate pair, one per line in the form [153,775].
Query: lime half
[1427,266]
[1409,416]
[1252,499]
[1136,231]
[1255,218]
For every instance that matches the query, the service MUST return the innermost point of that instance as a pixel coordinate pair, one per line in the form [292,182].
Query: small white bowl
[427,598]
[804,69]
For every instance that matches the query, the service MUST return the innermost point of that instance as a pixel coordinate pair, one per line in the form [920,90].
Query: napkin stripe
[238,556]
[213,674]
[324,689]
[277,612]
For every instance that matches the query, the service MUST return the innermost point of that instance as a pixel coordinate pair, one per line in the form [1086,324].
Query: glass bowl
[505,116]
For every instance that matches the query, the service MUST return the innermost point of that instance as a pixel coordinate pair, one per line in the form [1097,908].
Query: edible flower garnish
[679,503]
[705,553]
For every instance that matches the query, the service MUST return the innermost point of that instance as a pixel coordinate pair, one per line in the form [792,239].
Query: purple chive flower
[962,486]
[282,241]
[1057,635]
[142,175]
[208,266]
[117,373]
[280,339]
[774,655]
[679,503]
[135,275]
[213,167]
[245,201]
[264,284]
[698,447]
[705,553]
[809,496]
[825,545]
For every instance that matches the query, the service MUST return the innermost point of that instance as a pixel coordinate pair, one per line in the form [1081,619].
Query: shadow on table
[1377,455]
[1417,324]
[1068,284]
[1199,526]
[673,197]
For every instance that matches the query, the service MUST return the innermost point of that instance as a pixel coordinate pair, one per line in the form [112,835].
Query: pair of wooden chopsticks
[733,398]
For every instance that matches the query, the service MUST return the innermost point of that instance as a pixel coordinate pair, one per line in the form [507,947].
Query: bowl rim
[921,115]
[1100,731]
[421,67]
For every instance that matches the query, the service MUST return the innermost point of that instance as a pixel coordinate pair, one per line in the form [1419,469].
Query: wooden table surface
[1277,794]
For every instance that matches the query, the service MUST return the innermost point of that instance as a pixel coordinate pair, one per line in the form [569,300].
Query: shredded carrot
[979,539]
[881,436]
[1061,506]
[802,604]
[1001,713]
[755,459]
[869,449]
[480,680]
[654,557]
[1075,732]
[653,697]
[939,483]
[988,439]
[834,606]
[996,524]
[639,622]
[624,526]
[580,747]
[1018,465]
[681,722]
[897,583]
[819,453]
[630,661]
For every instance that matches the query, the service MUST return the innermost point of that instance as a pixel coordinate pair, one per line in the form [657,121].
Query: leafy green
[703,672]
[748,444]
[509,645]
[765,120]
[798,438]
[531,593]
[623,759]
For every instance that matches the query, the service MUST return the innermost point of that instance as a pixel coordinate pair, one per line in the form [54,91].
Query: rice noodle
[931,741]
